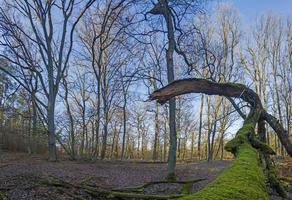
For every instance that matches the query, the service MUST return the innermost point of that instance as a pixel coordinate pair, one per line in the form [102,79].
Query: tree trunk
[124,123]
[51,129]
[105,133]
[200,126]
[162,8]
[157,133]
[71,121]
[34,121]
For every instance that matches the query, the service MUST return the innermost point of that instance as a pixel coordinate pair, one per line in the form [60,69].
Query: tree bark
[157,133]
[124,122]
[51,129]
[200,126]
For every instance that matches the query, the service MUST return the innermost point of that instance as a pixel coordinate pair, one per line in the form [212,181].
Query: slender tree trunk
[113,143]
[209,128]
[29,146]
[212,140]
[105,132]
[157,132]
[34,120]
[124,123]
[165,141]
[96,148]
[138,143]
[192,144]
[71,121]
[51,128]
[200,126]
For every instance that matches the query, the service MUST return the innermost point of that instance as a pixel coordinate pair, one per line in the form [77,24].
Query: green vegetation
[2,197]
[274,181]
[186,189]
[240,138]
[243,180]
[263,147]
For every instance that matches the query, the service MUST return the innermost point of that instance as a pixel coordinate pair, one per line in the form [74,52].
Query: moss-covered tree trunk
[244,178]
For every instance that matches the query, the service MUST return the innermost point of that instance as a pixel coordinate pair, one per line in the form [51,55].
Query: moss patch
[2,197]
[286,179]
[240,138]
[186,188]
[274,181]
[263,147]
[243,180]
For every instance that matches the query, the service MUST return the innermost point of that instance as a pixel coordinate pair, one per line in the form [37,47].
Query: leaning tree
[245,178]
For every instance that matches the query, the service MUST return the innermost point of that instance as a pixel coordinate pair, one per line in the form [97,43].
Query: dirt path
[20,175]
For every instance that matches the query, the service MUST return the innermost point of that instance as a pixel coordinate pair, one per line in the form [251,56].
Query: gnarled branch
[235,90]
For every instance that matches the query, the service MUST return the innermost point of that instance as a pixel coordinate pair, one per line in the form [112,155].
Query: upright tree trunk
[51,128]
[97,122]
[34,120]
[113,142]
[124,123]
[29,149]
[172,123]
[165,141]
[209,128]
[200,126]
[192,144]
[71,123]
[157,133]
[105,132]
[162,8]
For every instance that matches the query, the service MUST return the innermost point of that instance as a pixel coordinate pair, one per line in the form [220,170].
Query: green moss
[264,148]
[240,138]
[2,196]
[234,84]
[275,183]
[186,188]
[242,180]
[286,179]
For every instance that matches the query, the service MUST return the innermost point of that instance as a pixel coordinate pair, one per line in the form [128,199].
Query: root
[103,193]
[147,184]
[69,193]
[88,179]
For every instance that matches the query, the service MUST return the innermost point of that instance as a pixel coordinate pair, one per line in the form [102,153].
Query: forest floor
[32,177]
[29,177]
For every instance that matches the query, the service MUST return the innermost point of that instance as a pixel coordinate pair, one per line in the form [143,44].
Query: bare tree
[162,8]
[34,22]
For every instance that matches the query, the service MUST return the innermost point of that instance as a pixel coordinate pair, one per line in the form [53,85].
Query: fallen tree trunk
[245,178]
[235,90]
[282,134]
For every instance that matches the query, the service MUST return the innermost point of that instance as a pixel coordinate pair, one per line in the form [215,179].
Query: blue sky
[251,9]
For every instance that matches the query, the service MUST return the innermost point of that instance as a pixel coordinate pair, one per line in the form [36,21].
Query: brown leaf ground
[20,176]
[24,177]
